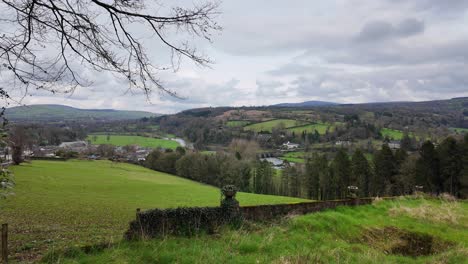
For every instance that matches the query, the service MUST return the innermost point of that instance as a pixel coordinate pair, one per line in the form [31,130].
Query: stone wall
[188,221]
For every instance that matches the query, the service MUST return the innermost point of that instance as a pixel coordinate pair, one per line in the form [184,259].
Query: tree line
[433,168]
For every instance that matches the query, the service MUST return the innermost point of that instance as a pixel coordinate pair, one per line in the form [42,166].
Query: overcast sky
[273,51]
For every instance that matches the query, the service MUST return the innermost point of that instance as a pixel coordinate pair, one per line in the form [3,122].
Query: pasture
[295,156]
[405,230]
[392,133]
[310,128]
[123,140]
[267,126]
[58,204]
[237,123]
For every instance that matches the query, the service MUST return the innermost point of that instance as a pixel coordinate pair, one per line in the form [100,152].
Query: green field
[122,140]
[237,123]
[392,133]
[75,202]
[295,157]
[385,232]
[459,130]
[267,126]
[310,128]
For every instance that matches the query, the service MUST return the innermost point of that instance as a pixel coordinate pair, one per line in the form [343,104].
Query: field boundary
[156,222]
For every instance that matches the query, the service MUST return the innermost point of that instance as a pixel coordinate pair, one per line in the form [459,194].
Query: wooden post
[138,214]
[5,243]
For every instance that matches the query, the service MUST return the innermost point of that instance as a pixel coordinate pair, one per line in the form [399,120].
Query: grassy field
[310,128]
[392,133]
[295,157]
[267,126]
[122,140]
[59,204]
[385,232]
[459,130]
[237,123]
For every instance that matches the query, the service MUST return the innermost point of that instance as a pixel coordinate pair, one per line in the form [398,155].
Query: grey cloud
[382,30]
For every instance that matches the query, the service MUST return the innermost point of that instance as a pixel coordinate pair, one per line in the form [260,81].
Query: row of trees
[434,169]
[441,169]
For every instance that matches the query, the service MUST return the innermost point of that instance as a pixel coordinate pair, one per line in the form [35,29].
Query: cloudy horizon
[340,51]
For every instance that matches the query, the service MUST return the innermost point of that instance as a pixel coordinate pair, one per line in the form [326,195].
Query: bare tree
[43,41]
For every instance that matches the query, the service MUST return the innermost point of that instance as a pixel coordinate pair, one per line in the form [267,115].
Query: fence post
[5,243]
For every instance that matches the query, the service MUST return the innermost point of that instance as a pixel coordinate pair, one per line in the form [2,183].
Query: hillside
[402,231]
[305,104]
[62,113]
[88,202]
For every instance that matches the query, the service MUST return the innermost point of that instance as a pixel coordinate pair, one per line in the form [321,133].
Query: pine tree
[360,173]
[427,169]
[385,169]
[341,170]
[451,166]
[312,176]
[464,174]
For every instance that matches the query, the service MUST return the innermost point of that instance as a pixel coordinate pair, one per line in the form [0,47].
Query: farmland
[123,140]
[237,123]
[295,157]
[87,202]
[267,126]
[310,128]
[384,232]
[392,133]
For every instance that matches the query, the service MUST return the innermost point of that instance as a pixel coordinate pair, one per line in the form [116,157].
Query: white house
[288,145]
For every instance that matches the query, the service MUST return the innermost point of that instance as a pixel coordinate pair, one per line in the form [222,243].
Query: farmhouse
[394,144]
[343,143]
[288,145]
[77,146]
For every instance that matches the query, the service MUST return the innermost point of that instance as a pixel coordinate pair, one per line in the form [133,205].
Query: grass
[295,157]
[123,140]
[343,235]
[267,126]
[237,123]
[310,128]
[58,204]
[459,130]
[392,133]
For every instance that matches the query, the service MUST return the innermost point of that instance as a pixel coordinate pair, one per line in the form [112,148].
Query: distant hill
[62,113]
[306,104]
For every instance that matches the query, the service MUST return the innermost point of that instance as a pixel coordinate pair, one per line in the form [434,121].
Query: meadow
[58,204]
[267,126]
[392,133]
[310,128]
[404,230]
[295,156]
[237,123]
[123,140]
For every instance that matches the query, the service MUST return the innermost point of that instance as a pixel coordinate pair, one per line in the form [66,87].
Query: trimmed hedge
[180,221]
[48,158]
[193,220]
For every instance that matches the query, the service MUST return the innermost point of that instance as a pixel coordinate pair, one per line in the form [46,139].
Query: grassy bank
[123,140]
[75,202]
[385,232]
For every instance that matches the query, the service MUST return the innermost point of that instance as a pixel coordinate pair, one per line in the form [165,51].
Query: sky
[276,51]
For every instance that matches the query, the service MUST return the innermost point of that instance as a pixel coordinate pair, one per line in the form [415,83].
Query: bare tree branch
[97,35]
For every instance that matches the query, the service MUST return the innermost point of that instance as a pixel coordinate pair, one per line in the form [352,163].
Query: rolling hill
[305,104]
[76,202]
[51,112]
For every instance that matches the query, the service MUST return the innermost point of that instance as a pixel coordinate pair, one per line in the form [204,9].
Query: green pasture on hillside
[295,156]
[123,140]
[377,233]
[310,128]
[392,133]
[267,126]
[459,130]
[237,123]
[64,203]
